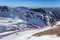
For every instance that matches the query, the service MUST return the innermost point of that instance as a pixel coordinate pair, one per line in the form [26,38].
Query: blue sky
[30,3]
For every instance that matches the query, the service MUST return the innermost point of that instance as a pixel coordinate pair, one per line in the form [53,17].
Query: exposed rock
[50,32]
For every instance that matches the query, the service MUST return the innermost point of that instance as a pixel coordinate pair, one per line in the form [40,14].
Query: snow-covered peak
[27,16]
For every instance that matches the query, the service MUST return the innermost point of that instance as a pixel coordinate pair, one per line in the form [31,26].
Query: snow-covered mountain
[24,17]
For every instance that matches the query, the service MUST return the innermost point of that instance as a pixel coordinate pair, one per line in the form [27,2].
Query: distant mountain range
[29,16]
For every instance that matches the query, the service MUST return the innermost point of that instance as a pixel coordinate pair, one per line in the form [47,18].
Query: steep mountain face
[55,11]
[20,16]
[6,12]
[46,12]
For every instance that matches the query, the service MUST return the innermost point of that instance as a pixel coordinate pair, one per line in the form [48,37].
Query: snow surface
[10,23]
[27,35]
[57,23]
[6,32]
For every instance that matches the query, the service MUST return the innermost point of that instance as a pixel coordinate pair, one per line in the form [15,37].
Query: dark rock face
[3,8]
[39,10]
[55,11]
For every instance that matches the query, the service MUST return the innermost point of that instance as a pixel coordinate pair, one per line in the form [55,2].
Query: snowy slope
[27,35]
[11,23]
